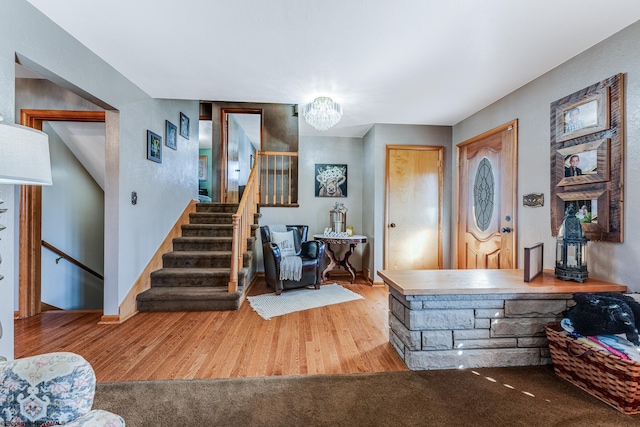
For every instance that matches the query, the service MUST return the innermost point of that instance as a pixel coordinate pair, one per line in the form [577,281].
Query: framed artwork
[184,125]
[591,209]
[170,135]
[203,168]
[331,180]
[586,161]
[533,258]
[586,115]
[154,147]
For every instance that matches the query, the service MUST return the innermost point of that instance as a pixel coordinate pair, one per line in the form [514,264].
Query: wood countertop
[468,282]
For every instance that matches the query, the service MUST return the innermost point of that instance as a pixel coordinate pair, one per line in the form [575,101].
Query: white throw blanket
[291,266]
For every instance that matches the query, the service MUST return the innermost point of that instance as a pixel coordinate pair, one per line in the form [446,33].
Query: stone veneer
[470,331]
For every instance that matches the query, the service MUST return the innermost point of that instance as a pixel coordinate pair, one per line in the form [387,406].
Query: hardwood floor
[344,338]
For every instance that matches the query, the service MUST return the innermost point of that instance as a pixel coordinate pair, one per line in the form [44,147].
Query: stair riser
[169,261]
[216,208]
[195,231]
[203,246]
[181,282]
[215,305]
[204,218]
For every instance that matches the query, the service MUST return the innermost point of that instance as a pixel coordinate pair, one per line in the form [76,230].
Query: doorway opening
[31,205]
[241,140]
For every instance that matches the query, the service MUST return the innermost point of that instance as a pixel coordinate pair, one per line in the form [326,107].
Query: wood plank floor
[344,338]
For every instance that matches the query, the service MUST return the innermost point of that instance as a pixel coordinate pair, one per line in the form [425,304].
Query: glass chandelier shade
[322,113]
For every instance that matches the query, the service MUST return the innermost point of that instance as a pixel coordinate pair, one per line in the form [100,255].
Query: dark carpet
[526,396]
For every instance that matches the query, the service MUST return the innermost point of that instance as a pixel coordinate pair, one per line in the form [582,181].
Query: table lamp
[24,159]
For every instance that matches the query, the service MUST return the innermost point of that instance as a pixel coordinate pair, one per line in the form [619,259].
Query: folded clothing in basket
[614,344]
[605,314]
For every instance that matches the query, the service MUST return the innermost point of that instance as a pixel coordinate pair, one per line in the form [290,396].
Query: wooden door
[413,236]
[486,203]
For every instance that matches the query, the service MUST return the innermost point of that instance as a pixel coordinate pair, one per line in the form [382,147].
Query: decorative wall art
[331,180]
[154,147]
[203,168]
[587,159]
[184,125]
[170,135]
[533,200]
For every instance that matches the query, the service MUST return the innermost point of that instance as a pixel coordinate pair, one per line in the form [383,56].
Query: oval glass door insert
[483,194]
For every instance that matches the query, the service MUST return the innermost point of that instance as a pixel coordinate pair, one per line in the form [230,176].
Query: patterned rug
[272,305]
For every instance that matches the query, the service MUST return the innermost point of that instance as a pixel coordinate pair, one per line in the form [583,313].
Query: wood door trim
[440,150]
[514,173]
[30,249]
[224,152]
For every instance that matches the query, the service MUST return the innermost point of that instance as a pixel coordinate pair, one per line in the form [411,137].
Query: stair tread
[208,225]
[205,238]
[194,271]
[187,293]
[199,253]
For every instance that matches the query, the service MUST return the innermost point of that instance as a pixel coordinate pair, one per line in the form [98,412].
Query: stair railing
[243,219]
[71,259]
[278,180]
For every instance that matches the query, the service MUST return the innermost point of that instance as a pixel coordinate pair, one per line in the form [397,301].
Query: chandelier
[322,113]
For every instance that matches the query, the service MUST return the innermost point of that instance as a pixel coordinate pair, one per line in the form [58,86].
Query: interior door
[413,237]
[487,185]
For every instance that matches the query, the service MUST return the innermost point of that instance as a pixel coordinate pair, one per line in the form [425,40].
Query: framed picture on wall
[331,180]
[154,147]
[184,125]
[203,168]
[584,163]
[584,116]
[171,135]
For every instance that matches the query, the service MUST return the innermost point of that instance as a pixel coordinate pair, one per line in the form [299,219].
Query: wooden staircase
[195,275]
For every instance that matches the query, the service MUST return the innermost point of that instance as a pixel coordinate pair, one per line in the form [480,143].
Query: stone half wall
[473,331]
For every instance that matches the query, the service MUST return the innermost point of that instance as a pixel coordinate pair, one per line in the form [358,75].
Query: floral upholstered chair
[51,389]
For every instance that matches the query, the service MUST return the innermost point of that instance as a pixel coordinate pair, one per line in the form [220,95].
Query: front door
[487,185]
[413,237]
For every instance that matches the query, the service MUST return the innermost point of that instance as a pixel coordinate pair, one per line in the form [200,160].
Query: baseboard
[109,319]
[128,307]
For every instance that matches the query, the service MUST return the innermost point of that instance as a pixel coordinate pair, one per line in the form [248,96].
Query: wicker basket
[611,379]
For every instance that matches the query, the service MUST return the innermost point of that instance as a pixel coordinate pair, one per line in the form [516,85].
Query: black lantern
[571,249]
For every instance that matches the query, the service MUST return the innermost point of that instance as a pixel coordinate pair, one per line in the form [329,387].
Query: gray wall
[72,221]
[132,233]
[531,106]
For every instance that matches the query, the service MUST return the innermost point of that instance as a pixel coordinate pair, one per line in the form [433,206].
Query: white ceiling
[404,61]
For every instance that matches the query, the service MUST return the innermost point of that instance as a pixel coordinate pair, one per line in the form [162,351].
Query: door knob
[506,230]
[392,225]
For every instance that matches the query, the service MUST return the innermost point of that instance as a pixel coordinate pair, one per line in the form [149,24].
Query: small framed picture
[171,135]
[184,125]
[203,168]
[154,147]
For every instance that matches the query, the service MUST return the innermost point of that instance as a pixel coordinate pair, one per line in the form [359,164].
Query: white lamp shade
[24,156]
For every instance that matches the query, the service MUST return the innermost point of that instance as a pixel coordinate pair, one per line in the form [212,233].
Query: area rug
[272,305]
